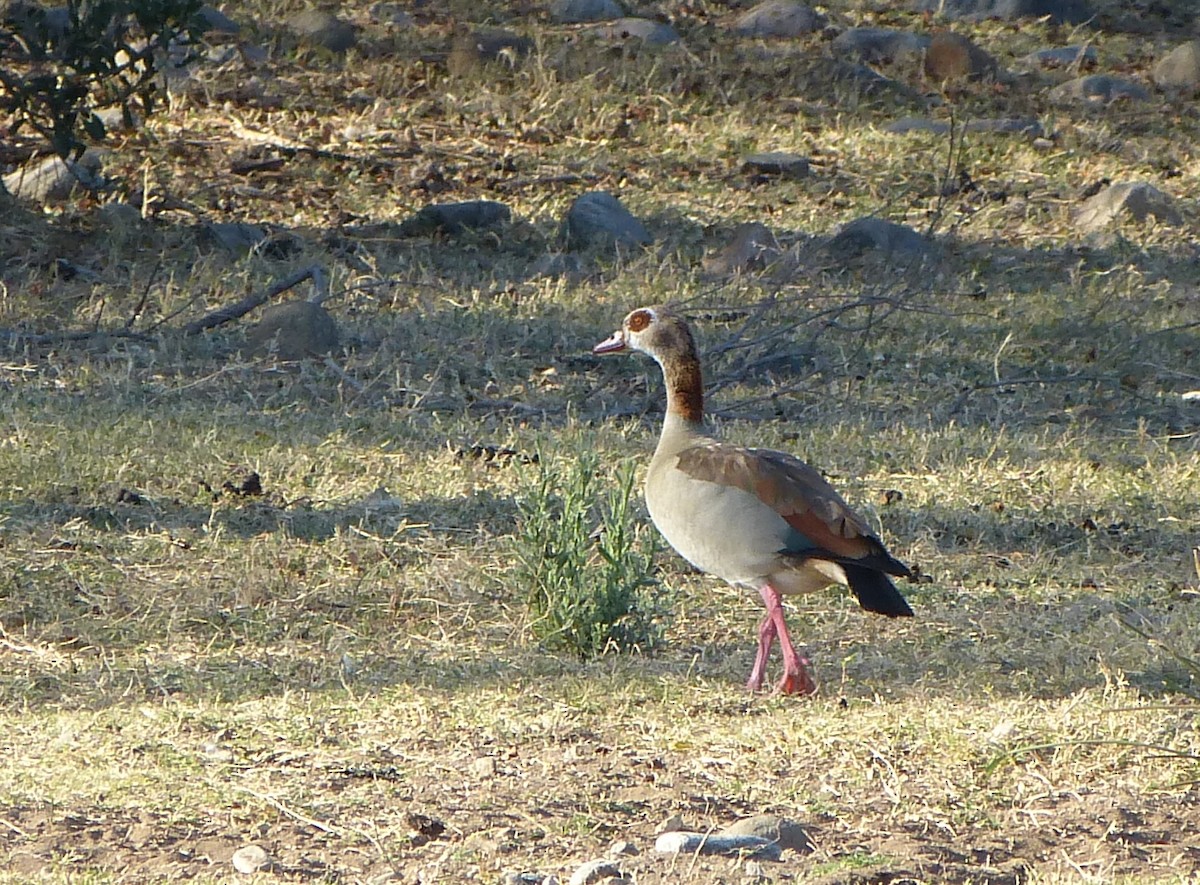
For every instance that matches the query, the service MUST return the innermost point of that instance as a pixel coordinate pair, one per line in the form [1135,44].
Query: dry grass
[187,669]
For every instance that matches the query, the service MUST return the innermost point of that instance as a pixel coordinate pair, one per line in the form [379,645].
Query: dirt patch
[497,829]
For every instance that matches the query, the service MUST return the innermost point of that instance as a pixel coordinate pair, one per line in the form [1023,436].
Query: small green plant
[585,563]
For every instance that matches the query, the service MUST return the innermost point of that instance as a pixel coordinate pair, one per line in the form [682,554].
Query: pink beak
[613,344]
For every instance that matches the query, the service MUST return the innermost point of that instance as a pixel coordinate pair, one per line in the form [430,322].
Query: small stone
[392,15]
[319,28]
[1098,89]
[596,871]
[952,56]
[778,18]
[599,219]
[294,330]
[484,767]
[1072,12]
[880,45]
[1179,70]
[236,236]
[251,859]
[455,218]
[1085,56]
[1135,200]
[905,125]
[777,163]
[709,843]
[215,21]
[651,33]
[1016,125]
[623,848]
[782,831]
[875,234]
[53,180]
[575,11]
[751,247]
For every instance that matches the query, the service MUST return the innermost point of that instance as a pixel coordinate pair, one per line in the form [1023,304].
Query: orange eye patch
[639,320]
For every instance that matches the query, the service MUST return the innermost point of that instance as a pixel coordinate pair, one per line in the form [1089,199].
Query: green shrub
[585,560]
[62,64]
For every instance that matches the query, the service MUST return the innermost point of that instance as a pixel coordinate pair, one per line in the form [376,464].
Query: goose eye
[639,320]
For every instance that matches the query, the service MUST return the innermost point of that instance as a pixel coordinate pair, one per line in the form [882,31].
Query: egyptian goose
[756,518]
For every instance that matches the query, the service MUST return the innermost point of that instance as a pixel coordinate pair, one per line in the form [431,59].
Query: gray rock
[778,18]
[778,163]
[782,831]
[1016,125]
[905,125]
[215,21]
[392,15]
[623,848]
[871,234]
[1061,11]
[251,859]
[683,842]
[53,180]
[751,247]
[319,28]
[455,218]
[649,32]
[574,11]
[1084,55]
[599,219]
[880,45]
[1098,89]
[294,330]
[596,871]
[1135,200]
[236,236]
[1179,70]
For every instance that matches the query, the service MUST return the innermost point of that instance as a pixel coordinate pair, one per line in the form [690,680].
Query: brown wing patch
[791,488]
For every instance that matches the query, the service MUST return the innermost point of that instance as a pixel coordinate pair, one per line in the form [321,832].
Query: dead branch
[231,312]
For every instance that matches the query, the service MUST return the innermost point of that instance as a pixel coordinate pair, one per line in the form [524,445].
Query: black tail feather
[875,591]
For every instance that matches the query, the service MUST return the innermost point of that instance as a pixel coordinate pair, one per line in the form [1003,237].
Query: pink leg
[796,679]
[766,636]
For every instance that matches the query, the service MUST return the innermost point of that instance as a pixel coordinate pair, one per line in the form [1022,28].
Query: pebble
[294,330]
[236,236]
[1098,89]
[391,15]
[622,848]
[781,831]
[1059,11]
[575,11]
[1135,200]
[778,18]
[876,234]
[880,45]
[484,767]
[54,179]
[455,218]
[596,871]
[651,33]
[1179,70]
[1085,56]
[777,163]
[599,219]
[324,29]
[251,859]
[701,843]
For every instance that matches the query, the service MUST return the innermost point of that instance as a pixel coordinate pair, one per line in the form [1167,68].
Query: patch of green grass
[586,566]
